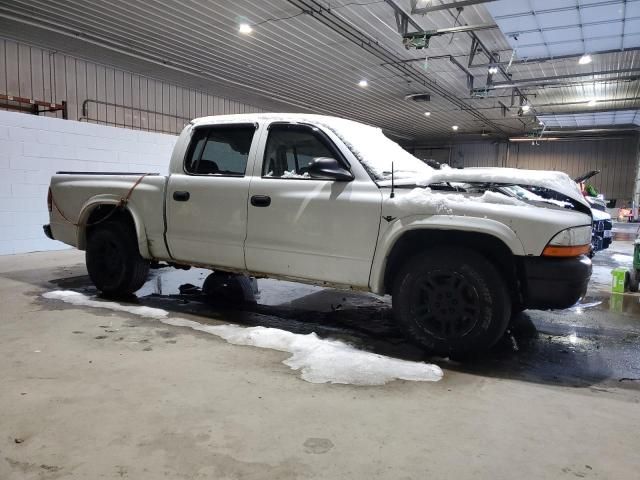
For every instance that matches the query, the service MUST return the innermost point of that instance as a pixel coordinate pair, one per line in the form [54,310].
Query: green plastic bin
[618,277]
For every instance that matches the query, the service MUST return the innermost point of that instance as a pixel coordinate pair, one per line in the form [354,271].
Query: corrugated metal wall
[616,158]
[112,96]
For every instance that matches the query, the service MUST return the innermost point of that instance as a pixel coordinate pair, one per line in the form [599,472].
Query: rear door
[309,228]
[206,204]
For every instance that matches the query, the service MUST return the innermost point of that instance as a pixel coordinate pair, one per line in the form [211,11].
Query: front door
[207,204]
[309,228]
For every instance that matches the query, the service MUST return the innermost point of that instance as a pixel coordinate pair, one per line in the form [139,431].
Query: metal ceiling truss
[434,8]
[419,38]
[530,61]
[558,79]
[347,30]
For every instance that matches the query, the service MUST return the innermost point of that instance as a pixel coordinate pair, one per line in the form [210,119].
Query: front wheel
[452,301]
[113,259]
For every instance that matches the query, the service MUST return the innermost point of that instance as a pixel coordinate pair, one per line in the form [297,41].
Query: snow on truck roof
[378,154]
[367,143]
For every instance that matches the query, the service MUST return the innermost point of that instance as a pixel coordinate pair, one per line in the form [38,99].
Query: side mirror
[329,169]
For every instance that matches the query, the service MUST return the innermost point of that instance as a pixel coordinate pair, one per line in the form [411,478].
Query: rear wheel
[451,301]
[113,259]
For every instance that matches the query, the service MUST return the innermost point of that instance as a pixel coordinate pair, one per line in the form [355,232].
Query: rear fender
[114,200]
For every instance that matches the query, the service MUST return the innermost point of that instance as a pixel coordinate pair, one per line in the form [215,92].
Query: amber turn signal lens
[565,251]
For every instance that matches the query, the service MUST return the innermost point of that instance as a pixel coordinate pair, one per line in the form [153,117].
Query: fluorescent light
[245,28]
[526,108]
[585,59]
[363,83]
[455,128]
[592,103]
[427,114]
[493,70]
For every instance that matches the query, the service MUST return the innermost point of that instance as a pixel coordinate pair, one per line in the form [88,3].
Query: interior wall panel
[135,101]
[616,158]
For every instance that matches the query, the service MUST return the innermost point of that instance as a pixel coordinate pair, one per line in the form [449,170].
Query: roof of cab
[256,117]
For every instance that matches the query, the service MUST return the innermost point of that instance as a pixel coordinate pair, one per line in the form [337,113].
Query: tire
[452,301]
[229,287]
[634,279]
[113,259]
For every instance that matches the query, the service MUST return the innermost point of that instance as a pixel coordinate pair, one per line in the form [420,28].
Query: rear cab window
[220,150]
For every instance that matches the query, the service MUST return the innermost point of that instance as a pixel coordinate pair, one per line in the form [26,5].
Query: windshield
[377,152]
[537,194]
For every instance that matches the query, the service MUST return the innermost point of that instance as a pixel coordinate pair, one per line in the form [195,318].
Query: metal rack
[29,105]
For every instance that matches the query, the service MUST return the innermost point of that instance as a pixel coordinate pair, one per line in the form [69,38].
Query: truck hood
[556,181]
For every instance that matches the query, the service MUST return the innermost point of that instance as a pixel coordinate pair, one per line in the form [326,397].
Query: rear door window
[220,150]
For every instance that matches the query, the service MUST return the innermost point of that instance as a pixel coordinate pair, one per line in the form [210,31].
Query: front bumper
[553,283]
[47,231]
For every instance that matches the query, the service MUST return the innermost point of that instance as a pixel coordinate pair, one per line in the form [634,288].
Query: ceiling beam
[447,6]
[555,80]
[586,111]
[528,61]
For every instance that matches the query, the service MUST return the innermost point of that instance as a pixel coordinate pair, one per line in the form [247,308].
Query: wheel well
[101,213]
[494,249]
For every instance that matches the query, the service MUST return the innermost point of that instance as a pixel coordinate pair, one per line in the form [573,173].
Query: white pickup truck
[333,202]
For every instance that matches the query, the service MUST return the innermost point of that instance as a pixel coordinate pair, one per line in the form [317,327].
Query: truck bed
[75,195]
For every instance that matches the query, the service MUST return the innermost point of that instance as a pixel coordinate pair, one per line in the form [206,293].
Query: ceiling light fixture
[363,83]
[427,114]
[455,128]
[245,28]
[526,108]
[493,70]
[585,59]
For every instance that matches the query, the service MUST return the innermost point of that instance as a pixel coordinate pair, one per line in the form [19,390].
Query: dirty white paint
[318,360]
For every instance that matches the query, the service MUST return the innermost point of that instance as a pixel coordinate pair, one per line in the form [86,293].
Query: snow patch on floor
[77,298]
[623,259]
[318,360]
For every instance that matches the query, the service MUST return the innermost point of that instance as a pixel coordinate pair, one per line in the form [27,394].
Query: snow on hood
[318,360]
[445,203]
[557,181]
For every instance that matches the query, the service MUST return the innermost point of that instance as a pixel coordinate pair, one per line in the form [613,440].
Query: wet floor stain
[317,445]
[594,343]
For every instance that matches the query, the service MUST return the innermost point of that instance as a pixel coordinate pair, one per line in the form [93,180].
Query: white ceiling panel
[545,4]
[602,44]
[599,119]
[568,27]
[556,19]
[602,13]
[602,30]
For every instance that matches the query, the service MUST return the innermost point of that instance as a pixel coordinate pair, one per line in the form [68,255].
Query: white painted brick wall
[33,148]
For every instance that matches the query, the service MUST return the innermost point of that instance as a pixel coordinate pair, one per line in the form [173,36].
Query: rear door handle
[181,196]
[260,201]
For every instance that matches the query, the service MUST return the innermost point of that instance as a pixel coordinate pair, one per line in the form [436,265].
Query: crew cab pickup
[333,202]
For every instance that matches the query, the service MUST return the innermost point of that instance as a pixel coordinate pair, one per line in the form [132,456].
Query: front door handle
[181,196]
[260,201]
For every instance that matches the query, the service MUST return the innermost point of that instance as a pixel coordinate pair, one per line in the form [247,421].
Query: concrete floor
[91,393]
